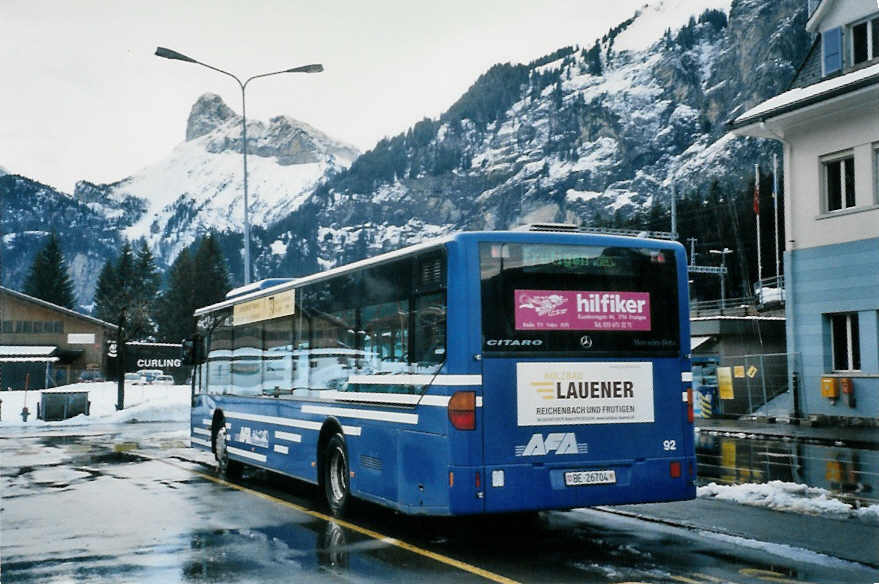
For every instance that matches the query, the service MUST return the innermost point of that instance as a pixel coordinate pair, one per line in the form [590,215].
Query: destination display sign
[265,308]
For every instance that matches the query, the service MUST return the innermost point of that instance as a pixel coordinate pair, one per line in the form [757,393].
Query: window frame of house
[847,196]
[871,42]
[874,151]
[845,343]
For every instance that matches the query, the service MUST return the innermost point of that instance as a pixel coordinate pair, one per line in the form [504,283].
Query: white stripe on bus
[281,449]
[206,422]
[686,376]
[201,431]
[289,422]
[465,380]
[393,398]
[289,437]
[200,442]
[246,454]
[362,414]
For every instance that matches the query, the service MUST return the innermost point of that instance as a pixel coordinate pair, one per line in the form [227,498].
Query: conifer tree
[106,300]
[49,279]
[211,277]
[176,305]
[146,282]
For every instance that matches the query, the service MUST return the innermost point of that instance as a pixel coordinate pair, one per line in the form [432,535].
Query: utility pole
[120,360]
[674,213]
[692,241]
[775,215]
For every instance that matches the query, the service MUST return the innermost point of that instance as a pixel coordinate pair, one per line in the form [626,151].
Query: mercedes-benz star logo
[586,342]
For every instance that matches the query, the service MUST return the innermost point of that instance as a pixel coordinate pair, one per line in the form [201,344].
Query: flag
[756,195]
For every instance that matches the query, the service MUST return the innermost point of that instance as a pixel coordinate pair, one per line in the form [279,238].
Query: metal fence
[743,306]
[744,385]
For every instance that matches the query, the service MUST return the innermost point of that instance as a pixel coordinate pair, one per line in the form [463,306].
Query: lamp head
[314,68]
[169,54]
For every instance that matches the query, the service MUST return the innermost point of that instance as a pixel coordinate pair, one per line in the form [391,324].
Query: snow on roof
[802,96]
[26,351]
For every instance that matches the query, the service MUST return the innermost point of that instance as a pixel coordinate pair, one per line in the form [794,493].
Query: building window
[844,332]
[865,41]
[839,182]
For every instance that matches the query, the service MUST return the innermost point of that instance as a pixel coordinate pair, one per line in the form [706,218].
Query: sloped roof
[802,97]
[49,305]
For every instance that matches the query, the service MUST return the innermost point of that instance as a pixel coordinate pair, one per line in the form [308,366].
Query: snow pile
[143,403]
[790,497]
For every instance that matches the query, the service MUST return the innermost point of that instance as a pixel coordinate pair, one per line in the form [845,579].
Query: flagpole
[775,214]
[757,212]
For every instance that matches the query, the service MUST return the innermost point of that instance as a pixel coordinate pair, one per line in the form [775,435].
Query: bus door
[581,373]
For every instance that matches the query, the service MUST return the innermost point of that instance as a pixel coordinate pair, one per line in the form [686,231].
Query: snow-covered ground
[170,403]
[790,497]
[144,403]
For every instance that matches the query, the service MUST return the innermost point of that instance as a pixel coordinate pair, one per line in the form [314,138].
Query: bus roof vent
[562,227]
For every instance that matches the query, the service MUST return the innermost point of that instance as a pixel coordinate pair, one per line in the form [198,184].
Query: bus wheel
[335,479]
[230,469]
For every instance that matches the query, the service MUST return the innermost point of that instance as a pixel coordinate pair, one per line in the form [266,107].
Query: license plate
[590,477]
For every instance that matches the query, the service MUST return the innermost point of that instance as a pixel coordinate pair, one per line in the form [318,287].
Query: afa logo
[558,442]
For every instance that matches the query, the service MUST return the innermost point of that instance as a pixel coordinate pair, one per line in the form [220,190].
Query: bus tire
[336,475]
[231,469]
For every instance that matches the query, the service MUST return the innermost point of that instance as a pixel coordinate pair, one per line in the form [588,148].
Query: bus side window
[430,328]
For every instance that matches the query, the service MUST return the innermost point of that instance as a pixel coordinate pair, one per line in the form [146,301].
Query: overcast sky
[84,97]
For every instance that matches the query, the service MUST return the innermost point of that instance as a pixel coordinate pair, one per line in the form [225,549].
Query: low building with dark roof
[45,345]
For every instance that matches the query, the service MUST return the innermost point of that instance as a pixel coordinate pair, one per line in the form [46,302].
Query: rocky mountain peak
[208,113]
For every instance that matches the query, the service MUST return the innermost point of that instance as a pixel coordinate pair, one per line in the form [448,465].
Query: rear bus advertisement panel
[541,310]
[555,394]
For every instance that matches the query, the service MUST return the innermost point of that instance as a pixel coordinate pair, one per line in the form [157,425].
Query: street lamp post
[314,68]
[722,254]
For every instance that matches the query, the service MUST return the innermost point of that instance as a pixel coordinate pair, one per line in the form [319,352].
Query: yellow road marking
[769,576]
[684,579]
[353,527]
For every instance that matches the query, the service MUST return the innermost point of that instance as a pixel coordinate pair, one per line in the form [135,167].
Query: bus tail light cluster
[690,405]
[462,410]
[674,469]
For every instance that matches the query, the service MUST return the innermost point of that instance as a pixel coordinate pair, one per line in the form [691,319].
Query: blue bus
[484,372]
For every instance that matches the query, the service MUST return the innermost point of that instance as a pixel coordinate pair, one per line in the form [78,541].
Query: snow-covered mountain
[581,135]
[199,187]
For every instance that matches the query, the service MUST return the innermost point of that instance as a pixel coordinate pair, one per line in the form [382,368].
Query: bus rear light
[478,480]
[462,410]
[451,479]
[674,470]
[690,405]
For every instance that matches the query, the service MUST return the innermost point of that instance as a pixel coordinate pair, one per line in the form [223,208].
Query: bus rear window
[583,299]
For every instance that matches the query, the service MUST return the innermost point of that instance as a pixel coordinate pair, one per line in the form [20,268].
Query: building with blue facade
[828,123]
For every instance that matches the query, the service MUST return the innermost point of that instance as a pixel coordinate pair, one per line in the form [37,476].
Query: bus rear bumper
[527,487]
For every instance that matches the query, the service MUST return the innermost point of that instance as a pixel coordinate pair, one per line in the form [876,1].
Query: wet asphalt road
[133,504]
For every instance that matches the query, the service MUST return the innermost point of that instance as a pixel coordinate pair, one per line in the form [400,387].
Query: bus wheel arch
[333,467]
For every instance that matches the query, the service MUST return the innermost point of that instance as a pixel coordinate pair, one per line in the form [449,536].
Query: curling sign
[550,394]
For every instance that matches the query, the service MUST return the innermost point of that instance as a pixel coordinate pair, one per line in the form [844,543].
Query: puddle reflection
[851,474]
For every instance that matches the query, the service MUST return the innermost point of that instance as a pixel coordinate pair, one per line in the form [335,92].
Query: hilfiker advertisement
[552,394]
